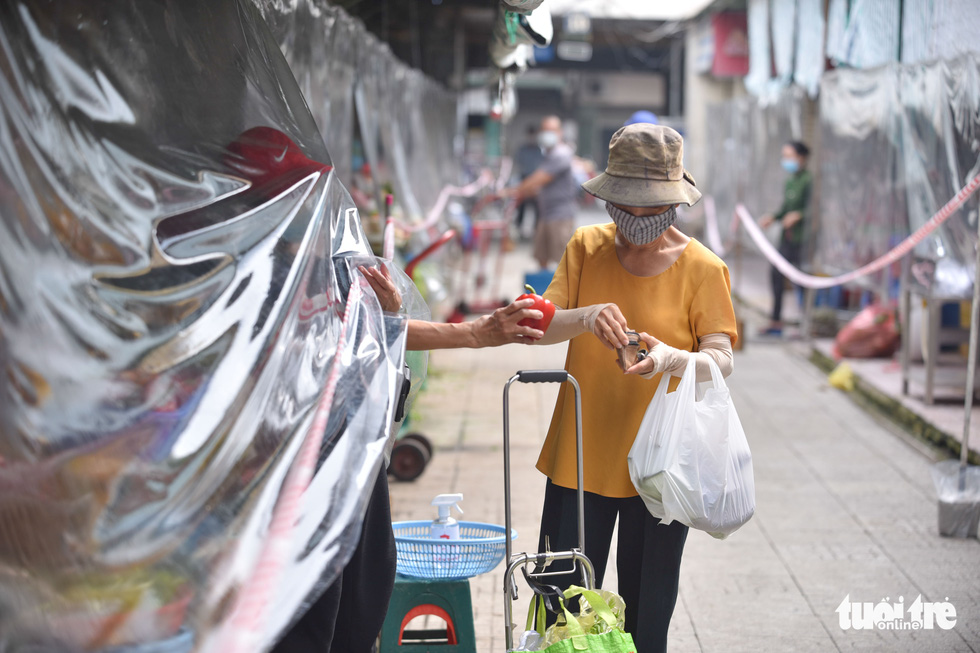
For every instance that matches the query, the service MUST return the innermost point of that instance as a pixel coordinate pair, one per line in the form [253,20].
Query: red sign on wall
[731,41]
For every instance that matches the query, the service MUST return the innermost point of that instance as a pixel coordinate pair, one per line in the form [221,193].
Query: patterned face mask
[641,231]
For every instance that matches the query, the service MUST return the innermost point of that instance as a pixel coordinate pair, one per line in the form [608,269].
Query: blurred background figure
[553,184]
[792,217]
[527,159]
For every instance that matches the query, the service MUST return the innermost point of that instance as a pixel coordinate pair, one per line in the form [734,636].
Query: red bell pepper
[540,304]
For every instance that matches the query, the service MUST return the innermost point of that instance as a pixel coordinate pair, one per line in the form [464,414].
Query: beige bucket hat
[645,169]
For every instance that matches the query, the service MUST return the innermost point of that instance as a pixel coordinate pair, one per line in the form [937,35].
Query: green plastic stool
[447,599]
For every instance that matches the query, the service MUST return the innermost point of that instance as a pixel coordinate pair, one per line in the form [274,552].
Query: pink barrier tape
[248,616]
[389,245]
[711,232]
[810,281]
[485,179]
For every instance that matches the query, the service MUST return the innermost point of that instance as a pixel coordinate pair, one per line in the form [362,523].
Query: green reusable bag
[579,637]
[533,636]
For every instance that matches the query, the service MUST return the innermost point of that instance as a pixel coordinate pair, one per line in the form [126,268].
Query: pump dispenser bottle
[446,527]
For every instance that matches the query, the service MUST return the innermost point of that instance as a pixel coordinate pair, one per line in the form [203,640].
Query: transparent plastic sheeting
[318,42]
[176,256]
[406,120]
[760,51]
[745,141]
[810,59]
[897,142]
[865,33]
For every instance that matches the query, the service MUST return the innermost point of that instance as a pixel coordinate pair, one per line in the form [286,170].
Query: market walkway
[845,508]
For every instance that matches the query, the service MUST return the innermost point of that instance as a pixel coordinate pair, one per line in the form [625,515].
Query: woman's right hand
[610,327]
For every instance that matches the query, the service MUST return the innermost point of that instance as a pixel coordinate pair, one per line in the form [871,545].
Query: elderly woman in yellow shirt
[640,273]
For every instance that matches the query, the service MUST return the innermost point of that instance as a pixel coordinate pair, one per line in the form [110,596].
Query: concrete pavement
[845,507]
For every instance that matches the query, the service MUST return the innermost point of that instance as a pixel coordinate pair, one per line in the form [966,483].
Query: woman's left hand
[610,327]
[645,366]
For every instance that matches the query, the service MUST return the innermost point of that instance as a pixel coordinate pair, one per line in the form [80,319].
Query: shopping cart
[537,577]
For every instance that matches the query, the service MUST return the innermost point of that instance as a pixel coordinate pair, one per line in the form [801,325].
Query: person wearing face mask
[792,217]
[554,187]
[640,273]
[527,159]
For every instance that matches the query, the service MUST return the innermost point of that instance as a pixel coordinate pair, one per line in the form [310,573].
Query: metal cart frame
[542,560]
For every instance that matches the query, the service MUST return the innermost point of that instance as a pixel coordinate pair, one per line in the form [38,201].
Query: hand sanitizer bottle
[446,527]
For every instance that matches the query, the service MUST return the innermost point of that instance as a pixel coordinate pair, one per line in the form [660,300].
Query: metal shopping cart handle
[542,376]
[579,560]
[546,376]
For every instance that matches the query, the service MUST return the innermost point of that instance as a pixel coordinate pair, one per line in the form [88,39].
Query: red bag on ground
[873,333]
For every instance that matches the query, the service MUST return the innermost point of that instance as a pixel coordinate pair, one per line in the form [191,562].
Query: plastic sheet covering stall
[319,41]
[897,143]
[783,34]
[810,59]
[416,151]
[747,135]
[407,121]
[864,33]
[175,284]
[367,101]
[760,50]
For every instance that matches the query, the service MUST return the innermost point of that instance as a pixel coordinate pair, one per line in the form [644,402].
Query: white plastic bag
[690,461]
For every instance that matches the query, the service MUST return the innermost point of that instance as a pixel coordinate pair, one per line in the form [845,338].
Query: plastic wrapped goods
[873,333]
[177,286]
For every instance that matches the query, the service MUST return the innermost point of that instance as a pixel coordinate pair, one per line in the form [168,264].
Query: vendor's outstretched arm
[498,328]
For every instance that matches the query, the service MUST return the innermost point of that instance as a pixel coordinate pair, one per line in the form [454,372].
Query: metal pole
[809,302]
[905,323]
[674,95]
[507,517]
[579,457]
[508,586]
[971,364]
[459,53]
